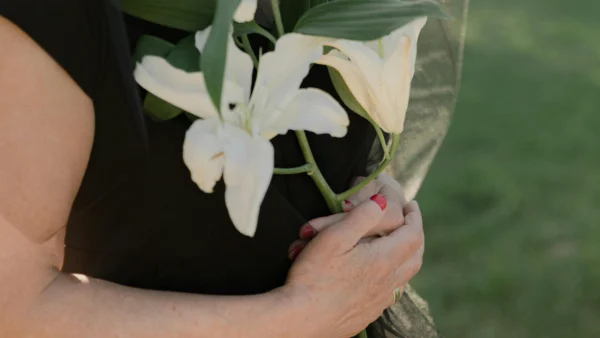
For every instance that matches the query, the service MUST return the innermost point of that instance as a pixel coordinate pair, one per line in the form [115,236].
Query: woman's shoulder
[70,31]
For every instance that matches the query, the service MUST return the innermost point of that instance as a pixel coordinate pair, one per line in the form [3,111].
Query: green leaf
[292,10]
[184,56]
[240,29]
[364,20]
[191,117]
[215,51]
[345,94]
[151,45]
[160,109]
[187,15]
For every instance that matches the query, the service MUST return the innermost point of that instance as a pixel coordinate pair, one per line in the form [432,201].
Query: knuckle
[364,217]
[414,243]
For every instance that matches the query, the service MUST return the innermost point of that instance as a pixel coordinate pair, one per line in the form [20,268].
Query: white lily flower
[236,145]
[245,11]
[379,73]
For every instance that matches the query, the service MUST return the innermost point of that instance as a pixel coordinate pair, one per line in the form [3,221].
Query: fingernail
[380,200]
[295,252]
[348,203]
[307,232]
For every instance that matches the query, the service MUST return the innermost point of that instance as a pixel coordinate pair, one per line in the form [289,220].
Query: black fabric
[138,219]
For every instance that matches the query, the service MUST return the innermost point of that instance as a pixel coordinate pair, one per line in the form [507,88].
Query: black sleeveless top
[138,219]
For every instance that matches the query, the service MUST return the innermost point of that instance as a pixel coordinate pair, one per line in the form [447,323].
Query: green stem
[382,141]
[334,205]
[363,334]
[307,168]
[266,34]
[277,17]
[379,170]
[249,50]
[238,43]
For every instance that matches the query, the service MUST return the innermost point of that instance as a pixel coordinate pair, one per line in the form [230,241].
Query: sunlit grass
[512,204]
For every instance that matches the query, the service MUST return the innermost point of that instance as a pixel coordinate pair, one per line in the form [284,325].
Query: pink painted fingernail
[348,205]
[307,232]
[295,252]
[380,200]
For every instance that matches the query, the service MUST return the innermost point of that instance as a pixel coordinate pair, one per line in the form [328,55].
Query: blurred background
[512,202]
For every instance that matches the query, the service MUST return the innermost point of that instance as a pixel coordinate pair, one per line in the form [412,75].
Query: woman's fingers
[296,248]
[392,219]
[367,239]
[408,239]
[344,235]
[401,289]
[372,188]
[392,190]
[409,269]
[342,260]
[320,224]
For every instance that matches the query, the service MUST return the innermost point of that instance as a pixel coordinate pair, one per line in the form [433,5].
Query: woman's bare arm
[46,135]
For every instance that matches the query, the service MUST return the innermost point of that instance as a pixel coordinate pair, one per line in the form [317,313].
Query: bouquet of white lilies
[370,47]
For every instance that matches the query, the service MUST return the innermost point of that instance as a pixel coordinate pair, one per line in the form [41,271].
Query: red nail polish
[295,252]
[380,200]
[307,232]
[348,203]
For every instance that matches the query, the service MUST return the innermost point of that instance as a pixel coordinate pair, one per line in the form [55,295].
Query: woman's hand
[393,217]
[348,283]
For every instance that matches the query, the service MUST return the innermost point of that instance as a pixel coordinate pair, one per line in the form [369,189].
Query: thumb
[345,234]
[364,194]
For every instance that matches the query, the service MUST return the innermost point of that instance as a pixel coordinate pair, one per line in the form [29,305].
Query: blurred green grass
[512,203]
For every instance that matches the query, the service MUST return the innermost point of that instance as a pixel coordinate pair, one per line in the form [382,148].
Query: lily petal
[246,11]
[238,67]
[398,73]
[281,73]
[316,111]
[184,90]
[388,44]
[203,153]
[249,163]
[353,78]
[395,91]
[412,31]
[365,59]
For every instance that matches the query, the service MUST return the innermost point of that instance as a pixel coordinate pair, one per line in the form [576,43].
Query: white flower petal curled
[204,153]
[184,90]
[313,110]
[353,77]
[281,73]
[379,73]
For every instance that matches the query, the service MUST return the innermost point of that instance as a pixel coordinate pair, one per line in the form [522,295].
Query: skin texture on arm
[46,135]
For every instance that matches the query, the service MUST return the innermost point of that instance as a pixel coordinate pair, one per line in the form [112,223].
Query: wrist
[299,311]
